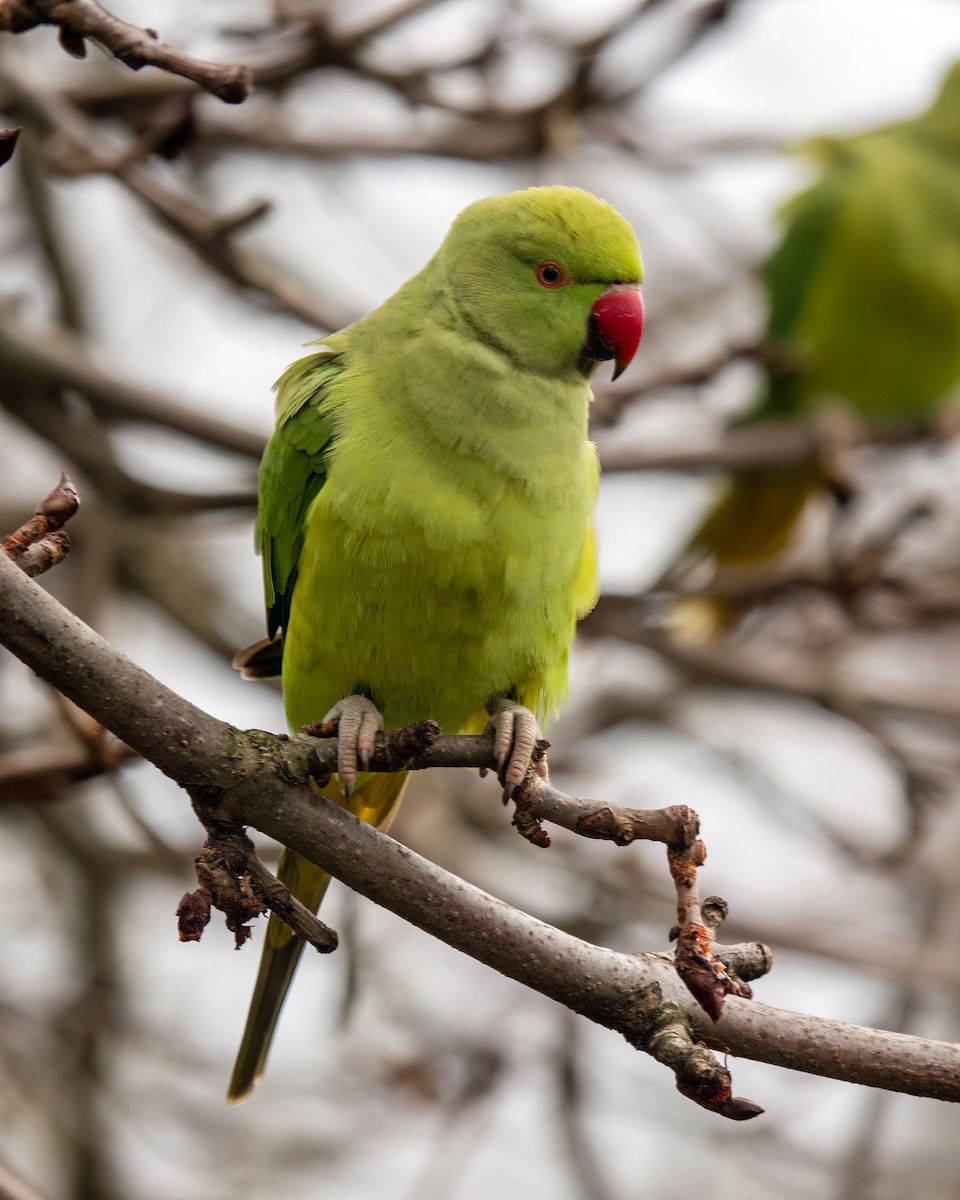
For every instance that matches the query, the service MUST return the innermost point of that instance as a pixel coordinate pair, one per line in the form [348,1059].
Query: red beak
[616,321]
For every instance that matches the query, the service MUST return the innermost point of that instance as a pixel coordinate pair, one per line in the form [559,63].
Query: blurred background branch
[237,779]
[79,20]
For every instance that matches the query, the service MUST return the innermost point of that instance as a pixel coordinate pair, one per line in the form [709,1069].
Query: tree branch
[822,679]
[206,235]
[8,143]
[42,542]
[45,773]
[759,446]
[79,20]
[258,779]
[57,356]
[235,881]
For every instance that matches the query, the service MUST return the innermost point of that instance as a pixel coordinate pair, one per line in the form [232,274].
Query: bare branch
[257,779]
[8,143]
[57,356]
[698,21]
[823,680]
[42,542]
[478,139]
[205,234]
[39,204]
[47,773]
[611,402]
[85,442]
[757,446]
[79,20]
[235,881]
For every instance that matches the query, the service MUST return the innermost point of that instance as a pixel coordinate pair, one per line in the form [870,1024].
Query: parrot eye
[550,275]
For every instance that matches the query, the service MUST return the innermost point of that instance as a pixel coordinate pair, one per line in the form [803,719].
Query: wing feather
[292,472]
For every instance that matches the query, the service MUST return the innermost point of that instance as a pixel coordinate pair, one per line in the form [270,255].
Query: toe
[370,725]
[358,722]
[526,733]
[516,735]
[347,748]
[503,727]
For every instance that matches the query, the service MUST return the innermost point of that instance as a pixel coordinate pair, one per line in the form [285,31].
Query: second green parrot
[425,514]
[864,296]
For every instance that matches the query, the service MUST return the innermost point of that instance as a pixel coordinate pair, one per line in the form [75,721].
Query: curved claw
[516,734]
[358,723]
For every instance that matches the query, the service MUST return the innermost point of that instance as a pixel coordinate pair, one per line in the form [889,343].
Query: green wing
[292,472]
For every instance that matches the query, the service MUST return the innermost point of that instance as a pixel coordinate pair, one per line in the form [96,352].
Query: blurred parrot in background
[425,510]
[864,307]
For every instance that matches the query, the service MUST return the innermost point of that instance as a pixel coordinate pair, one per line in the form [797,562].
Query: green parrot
[864,304]
[425,510]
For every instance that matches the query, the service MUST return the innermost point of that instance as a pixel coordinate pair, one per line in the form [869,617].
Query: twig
[205,234]
[475,139]
[308,46]
[756,446]
[79,20]
[38,202]
[31,776]
[674,826]
[57,356]
[823,680]
[233,880]
[585,1164]
[610,402]
[704,975]
[8,143]
[42,542]
[84,441]
[257,779]
[420,746]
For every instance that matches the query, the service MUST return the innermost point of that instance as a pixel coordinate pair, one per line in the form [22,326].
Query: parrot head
[550,276]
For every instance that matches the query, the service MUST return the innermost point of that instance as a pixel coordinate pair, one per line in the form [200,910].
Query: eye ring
[550,275]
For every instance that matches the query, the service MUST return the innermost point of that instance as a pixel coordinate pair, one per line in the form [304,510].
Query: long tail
[375,800]
[749,525]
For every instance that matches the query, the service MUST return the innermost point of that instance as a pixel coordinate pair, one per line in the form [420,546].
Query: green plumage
[426,499]
[864,294]
[865,288]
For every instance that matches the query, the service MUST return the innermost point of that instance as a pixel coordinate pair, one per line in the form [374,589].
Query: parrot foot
[519,743]
[358,722]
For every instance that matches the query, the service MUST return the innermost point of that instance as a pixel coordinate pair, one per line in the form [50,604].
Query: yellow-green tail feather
[375,800]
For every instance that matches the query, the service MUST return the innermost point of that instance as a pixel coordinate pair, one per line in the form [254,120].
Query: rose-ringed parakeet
[864,295]
[426,504]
